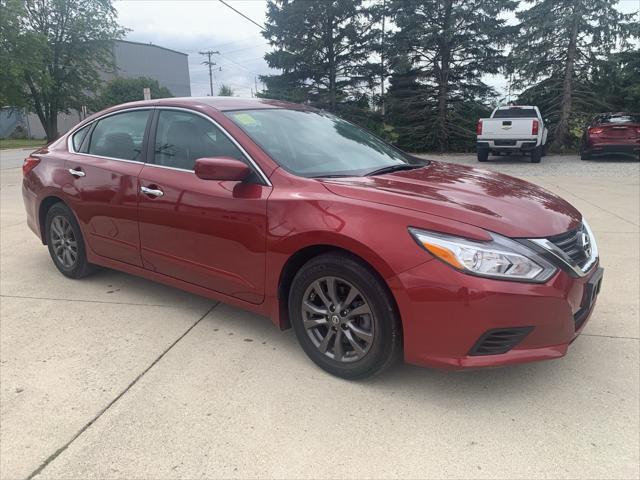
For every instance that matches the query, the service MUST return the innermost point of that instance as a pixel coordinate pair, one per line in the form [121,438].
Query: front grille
[573,245]
[499,340]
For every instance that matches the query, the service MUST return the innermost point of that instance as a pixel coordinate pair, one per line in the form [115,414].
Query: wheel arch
[44,207]
[302,256]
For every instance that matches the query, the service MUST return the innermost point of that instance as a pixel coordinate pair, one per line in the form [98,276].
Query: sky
[194,26]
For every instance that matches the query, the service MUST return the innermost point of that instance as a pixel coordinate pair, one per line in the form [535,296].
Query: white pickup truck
[513,128]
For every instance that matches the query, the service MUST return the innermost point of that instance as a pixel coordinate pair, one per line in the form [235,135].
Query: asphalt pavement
[114,376]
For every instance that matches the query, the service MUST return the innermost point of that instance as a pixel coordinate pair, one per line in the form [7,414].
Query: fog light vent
[499,340]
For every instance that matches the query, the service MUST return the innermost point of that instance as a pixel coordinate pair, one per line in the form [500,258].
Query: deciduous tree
[121,90]
[225,91]
[56,50]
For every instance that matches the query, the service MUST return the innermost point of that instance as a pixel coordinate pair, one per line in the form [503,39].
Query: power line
[210,64]
[243,15]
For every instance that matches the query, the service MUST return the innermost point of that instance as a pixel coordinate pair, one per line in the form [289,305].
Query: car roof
[219,103]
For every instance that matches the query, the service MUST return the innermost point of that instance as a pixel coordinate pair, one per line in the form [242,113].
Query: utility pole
[210,64]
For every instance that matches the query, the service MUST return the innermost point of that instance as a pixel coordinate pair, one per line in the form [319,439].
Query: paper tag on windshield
[246,119]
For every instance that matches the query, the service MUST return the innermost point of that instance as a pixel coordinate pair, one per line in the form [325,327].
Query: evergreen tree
[450,44]
[322,49]
[617,81]
[559,42]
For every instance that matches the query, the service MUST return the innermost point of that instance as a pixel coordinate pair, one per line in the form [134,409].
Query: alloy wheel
[338,319]
[63,241]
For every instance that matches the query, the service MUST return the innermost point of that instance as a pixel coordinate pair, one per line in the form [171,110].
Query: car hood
[485,199]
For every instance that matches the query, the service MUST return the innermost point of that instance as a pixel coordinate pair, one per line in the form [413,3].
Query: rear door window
[120,136]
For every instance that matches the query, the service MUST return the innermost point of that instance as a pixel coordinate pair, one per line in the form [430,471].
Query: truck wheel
[584,155]
[544,150]
[536,155]
[483,155]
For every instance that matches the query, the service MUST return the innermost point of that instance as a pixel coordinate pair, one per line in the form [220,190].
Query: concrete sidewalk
[117,377]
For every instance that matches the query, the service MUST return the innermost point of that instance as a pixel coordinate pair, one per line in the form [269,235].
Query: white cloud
[194,26]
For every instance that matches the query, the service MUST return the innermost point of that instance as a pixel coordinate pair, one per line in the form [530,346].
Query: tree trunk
[561,133]
[47,115]
[51,125]
[332,67]
[443,80]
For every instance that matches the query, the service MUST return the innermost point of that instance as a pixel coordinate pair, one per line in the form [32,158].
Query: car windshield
[618,118]
[318,144]
[515,112]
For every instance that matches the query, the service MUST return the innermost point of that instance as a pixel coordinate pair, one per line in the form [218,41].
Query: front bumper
[446,312]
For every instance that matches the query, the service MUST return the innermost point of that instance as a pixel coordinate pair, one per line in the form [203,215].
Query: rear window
[515,113]
[617,118]
[78,137]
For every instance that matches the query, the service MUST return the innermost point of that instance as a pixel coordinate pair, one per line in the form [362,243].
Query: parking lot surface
[117,377]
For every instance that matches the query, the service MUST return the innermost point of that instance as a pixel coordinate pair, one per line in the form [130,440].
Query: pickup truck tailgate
[496,128]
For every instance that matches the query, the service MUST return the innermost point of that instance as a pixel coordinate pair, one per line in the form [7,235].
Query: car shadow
[506,159]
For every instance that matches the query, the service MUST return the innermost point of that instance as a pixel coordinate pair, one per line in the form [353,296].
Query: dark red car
[611,133]
[292,213]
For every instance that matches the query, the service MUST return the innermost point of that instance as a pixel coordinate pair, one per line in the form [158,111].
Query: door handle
[154,192]
[77,173]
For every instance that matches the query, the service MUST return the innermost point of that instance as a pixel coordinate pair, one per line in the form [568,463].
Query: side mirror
[221,168]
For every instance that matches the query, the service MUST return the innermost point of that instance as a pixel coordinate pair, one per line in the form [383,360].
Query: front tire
[65,242]
[344,317]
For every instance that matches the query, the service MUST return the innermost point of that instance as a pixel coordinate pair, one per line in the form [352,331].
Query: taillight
[595,131]
[29,164]
[534,127]
[479,127]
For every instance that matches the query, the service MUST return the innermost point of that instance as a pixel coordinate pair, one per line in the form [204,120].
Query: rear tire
[324,295]
[585,155]
[483,155]
[65,242]
[536,155]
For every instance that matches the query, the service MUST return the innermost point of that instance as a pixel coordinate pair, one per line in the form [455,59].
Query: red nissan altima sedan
[293,213]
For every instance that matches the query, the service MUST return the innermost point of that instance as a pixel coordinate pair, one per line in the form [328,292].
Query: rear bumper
[30,200]
[445,313]
[507,144]
[612,148]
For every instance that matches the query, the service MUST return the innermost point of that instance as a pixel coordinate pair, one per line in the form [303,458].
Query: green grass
[20,143]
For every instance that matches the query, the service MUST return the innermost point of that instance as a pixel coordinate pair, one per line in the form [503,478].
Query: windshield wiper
[332,176]
[394,168]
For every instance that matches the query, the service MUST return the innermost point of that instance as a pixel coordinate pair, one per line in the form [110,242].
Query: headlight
[500,258]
